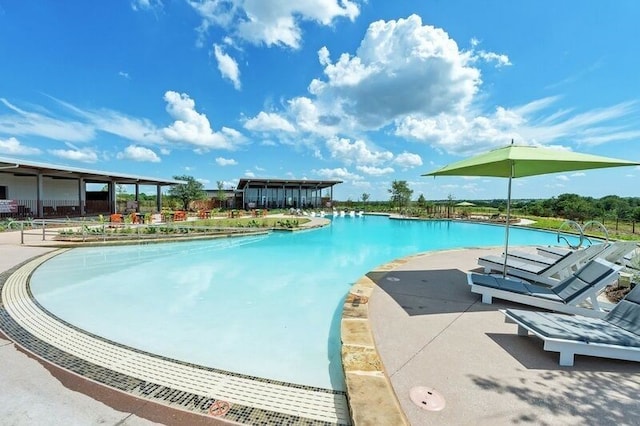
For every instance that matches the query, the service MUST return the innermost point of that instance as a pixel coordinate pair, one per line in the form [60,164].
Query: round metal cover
[427,398]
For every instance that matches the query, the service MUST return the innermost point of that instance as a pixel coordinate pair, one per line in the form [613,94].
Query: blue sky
[364,91]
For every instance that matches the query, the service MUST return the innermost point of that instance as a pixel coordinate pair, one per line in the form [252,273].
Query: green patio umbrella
[516,161]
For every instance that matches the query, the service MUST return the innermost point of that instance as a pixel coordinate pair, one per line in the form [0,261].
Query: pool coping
[372,399]
[204,391]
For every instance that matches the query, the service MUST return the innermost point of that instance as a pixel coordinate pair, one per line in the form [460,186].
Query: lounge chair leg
[566,359]
[486,298]
[522,331]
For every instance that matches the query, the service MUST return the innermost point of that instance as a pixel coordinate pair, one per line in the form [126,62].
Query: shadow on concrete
[587,394]
[427,292]
[529,352]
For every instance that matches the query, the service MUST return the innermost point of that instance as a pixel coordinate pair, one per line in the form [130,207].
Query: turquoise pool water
[266,306]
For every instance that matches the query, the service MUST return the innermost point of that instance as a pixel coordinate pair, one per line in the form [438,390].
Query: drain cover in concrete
[427,398]
[394,279]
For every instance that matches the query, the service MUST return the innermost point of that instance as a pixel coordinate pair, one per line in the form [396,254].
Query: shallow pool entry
[427,398]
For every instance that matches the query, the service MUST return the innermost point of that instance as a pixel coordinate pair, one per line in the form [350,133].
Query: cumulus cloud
[408,160]
[226,161]
[84,155]
[12,146]
[265,121]
[402,71]
[401,67]
[249,174]
[375,171]
[339,173]
[227,66]
[356,152]
[138,153]
[270,23]
[194,128]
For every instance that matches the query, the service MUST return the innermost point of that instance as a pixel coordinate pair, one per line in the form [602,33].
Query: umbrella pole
[506,226]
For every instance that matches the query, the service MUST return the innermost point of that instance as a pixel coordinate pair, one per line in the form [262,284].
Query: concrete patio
[429,330]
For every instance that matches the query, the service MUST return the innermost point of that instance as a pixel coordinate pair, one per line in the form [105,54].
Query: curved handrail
[575,225]
[599,225]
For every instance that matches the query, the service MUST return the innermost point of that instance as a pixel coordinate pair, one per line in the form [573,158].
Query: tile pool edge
[170,383]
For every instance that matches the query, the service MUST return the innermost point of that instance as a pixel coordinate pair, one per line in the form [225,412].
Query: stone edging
[372,399]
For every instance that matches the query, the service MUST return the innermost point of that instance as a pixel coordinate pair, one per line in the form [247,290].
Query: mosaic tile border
[21,317]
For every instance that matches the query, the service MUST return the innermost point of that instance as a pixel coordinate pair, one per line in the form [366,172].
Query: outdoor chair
[548,274]
[616,336]
[566,296]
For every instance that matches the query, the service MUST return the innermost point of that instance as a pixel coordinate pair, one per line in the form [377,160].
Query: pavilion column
[113,205]
[158,198]
[39,194]
[331,199]
[137,196]
[82,197]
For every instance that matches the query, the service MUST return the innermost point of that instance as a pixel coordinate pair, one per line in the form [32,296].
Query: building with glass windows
[254,193]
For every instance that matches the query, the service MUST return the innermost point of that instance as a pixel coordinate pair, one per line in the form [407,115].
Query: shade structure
[465,204]
[516,161]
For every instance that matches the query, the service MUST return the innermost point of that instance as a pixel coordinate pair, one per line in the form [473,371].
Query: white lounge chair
[566,296]
[542,273]
[616,336]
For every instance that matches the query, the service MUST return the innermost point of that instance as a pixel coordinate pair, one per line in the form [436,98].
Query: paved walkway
[429,330]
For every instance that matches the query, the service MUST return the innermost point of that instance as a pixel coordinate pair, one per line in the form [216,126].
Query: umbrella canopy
[515,161]
[465,204]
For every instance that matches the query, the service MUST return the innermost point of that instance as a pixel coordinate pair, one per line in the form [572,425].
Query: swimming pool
[266,306]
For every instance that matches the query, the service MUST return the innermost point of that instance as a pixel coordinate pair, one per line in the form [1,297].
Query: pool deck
[427,329]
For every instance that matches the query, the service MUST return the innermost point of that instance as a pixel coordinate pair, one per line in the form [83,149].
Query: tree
[365,198]
[187,192]
[400,194]
[221,195]
[422,202]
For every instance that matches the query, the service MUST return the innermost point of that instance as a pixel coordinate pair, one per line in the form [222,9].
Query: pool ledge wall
[372,400]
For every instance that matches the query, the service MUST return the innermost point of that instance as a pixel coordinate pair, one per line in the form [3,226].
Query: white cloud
[24,122]
[401,67]
[356,152]
[85,155]
[12,146]
[375,171]
[203,181]
[337,174]
[525,124]
[265,122]
[194,128]
[226,161]
[500,60]
[249,174]
[563,178]
[408,160]
[124,75]
[227,66]
[138,153]
[270,23]
[138,5]
[116,123]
